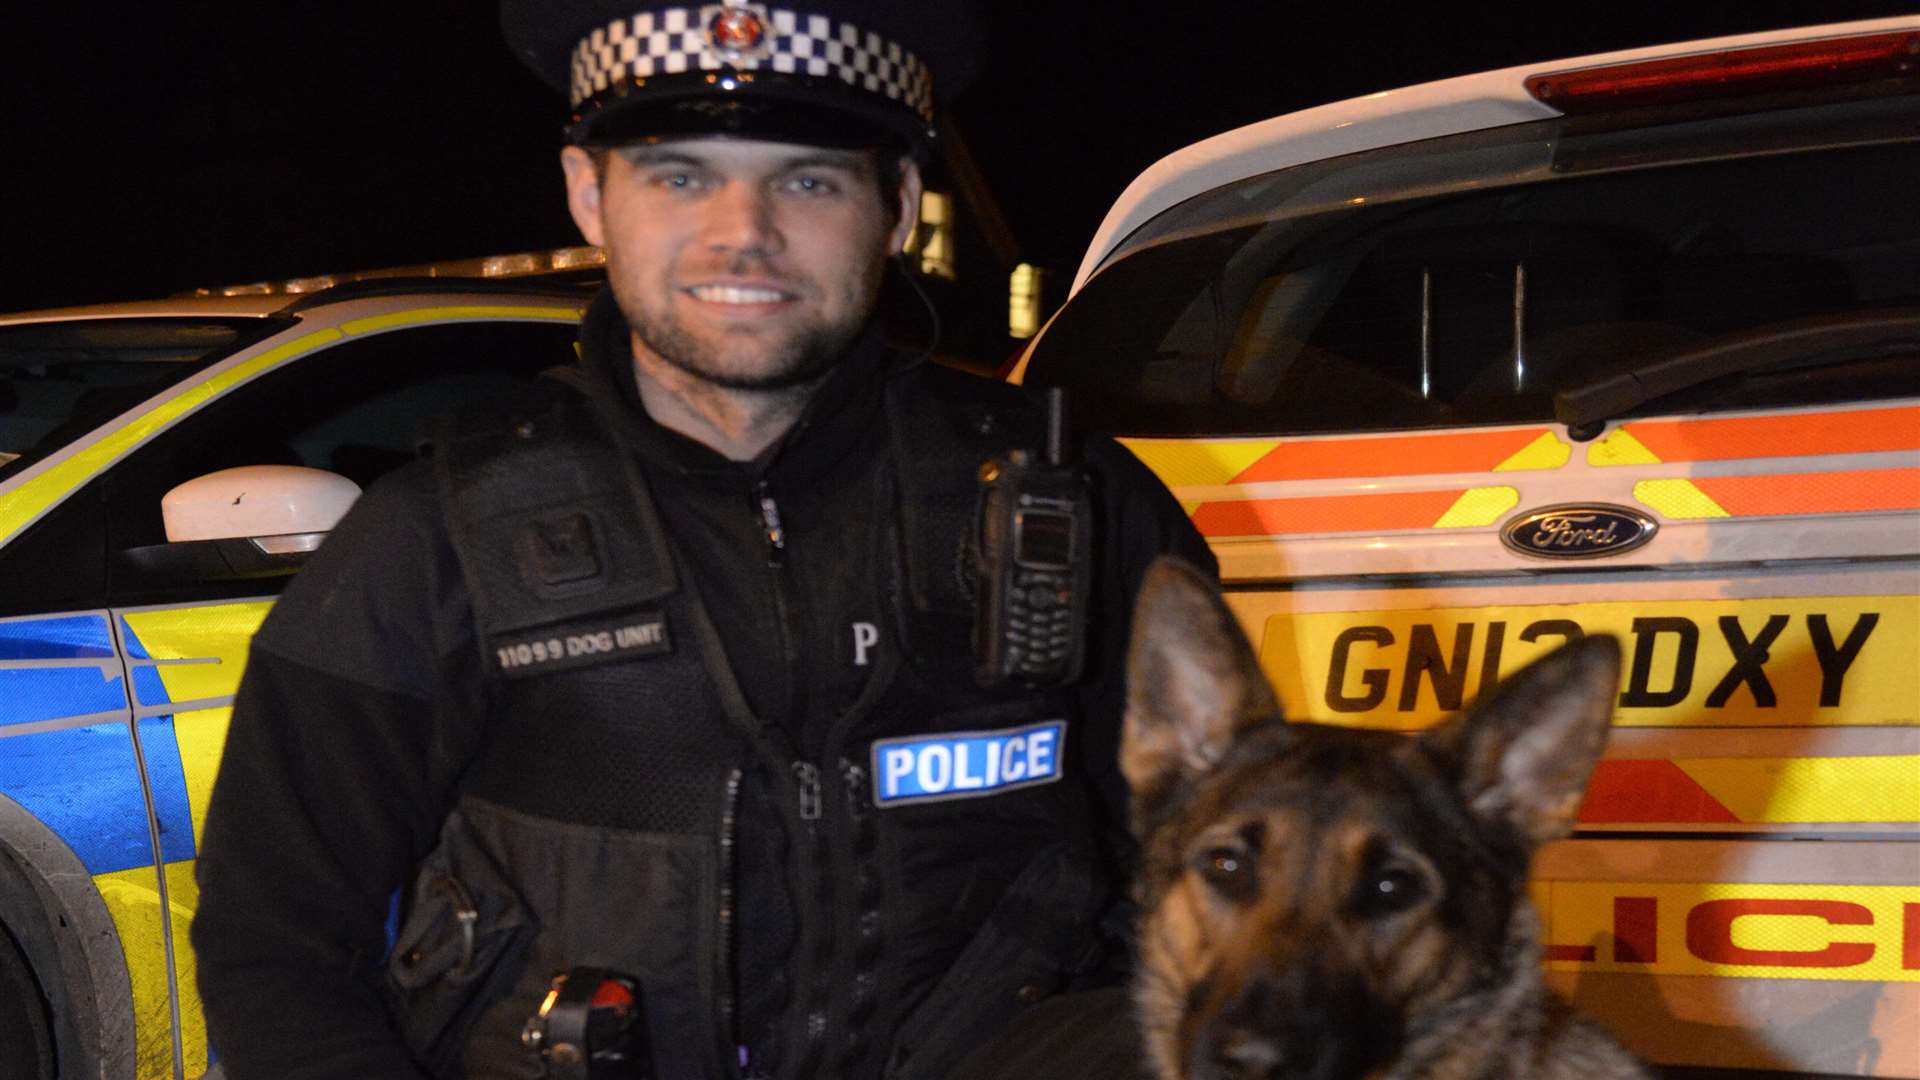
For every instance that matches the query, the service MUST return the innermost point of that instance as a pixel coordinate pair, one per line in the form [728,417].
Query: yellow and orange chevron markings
[1855,431]
[1254,461]
[1195,463]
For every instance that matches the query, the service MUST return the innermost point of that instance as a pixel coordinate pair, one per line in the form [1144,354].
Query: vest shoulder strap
[945,425]
[548,511]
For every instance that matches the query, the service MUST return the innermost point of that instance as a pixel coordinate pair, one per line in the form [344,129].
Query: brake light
[1734,73]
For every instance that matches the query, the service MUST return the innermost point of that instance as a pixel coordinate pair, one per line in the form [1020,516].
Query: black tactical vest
[937,858]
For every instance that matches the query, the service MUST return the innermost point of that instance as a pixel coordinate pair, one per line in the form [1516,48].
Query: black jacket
[376,749]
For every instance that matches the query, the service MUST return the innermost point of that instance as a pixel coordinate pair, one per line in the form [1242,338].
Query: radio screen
[1044,540]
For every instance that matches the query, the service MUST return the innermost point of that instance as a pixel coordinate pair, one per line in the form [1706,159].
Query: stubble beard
[794,361]
[798,360]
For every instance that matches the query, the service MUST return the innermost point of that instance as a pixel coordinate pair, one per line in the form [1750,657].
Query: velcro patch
[559,549]
[967,764]
[582,644]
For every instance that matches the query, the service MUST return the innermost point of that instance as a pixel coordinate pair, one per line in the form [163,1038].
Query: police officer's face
[749,265]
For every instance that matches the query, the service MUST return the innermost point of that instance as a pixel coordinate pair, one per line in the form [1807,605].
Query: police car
[1629,344]
[164,467]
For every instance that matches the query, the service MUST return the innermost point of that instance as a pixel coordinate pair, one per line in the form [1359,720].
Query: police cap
[821,72]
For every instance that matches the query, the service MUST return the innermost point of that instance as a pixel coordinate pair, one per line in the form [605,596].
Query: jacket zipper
[729,1033]
[804,878]
[865,929]
[809,803]
[776,537]
[806,776]
[770,524]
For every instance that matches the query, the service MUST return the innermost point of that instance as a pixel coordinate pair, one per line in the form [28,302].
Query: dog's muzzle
[1300,1024]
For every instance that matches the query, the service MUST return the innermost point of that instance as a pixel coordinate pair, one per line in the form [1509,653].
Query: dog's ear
[1192,680]
[1524,754]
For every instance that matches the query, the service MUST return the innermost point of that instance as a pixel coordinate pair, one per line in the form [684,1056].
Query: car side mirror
[255,521]
[282,509]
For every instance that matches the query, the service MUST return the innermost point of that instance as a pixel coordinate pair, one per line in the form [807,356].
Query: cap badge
[737,33]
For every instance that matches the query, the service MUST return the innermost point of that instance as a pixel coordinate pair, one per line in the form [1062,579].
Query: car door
[132,695]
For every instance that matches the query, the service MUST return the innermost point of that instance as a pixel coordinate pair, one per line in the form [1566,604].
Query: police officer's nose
[740,220]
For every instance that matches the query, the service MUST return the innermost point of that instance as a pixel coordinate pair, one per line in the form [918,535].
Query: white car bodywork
[1779,744]
[1429,110]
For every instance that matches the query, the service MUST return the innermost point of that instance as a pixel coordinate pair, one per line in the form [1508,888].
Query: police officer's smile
[745,299]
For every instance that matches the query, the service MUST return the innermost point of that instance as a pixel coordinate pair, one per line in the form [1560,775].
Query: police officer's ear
[909,208]
[583,193]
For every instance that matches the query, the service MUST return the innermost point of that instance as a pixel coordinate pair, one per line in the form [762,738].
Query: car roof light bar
[1730,74]
[523,264]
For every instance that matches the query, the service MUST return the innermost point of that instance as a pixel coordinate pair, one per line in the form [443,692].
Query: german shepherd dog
[1325,903]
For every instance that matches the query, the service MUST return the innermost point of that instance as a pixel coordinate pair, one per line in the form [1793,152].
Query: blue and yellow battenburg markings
[58,668]
[81,778]
[69,756]
[68,753]
[186,661]
[967,764]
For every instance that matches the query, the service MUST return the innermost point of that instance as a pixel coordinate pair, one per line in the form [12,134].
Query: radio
[1034,564]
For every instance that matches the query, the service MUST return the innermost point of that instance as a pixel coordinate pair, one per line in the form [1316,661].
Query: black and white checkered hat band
[674,41]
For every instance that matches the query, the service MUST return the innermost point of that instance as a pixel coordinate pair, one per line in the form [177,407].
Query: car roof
[222,306]
[1388,118]
[565,273]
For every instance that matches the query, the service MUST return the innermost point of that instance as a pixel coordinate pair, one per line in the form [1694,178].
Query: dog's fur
[1325,903]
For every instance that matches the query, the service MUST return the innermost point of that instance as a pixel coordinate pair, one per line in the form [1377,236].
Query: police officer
[663,668]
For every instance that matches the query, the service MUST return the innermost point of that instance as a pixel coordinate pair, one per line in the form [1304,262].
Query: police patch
[967,764]
[583,644]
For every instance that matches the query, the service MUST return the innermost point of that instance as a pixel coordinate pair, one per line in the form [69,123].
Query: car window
[355,408]
[1465,281]
[358,408]
[60,380]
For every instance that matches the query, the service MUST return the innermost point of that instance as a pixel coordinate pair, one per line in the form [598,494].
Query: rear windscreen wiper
[1780,346]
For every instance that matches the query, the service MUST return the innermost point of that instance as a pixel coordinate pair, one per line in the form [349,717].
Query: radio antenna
[1056,426]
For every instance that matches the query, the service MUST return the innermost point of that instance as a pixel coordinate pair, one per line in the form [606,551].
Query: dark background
[153,147]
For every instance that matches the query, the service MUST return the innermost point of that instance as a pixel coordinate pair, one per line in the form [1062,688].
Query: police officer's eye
[812,185]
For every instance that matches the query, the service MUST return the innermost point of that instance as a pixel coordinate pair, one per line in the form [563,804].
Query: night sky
[153,147]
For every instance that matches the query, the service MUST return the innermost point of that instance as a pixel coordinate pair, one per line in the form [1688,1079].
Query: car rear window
[1464,281]
[60,380]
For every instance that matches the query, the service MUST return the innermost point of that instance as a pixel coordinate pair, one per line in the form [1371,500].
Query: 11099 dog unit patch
[967,764]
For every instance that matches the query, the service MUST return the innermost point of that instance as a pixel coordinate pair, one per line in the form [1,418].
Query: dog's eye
[1229,870]
[1388,890]
[1224,862]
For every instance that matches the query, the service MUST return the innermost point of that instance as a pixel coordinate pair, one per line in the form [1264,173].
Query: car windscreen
[1465,280]
[61,380]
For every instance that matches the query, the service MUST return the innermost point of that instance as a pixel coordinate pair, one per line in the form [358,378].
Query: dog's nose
[1243,1054]
[1251,1037]
[1296,1024]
